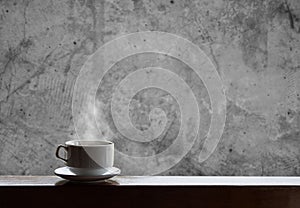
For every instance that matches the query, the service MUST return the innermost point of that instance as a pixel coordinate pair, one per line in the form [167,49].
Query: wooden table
[151,191]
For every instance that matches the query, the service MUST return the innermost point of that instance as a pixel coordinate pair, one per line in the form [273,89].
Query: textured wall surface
[254,44]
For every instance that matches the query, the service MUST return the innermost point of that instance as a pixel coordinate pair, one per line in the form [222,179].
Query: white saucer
[81,174]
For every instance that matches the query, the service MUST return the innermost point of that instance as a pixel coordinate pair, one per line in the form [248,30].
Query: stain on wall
[254,45]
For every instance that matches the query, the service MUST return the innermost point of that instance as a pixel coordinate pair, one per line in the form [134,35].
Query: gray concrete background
[255,46]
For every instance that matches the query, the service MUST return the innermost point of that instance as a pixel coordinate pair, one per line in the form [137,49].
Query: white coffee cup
[87,154]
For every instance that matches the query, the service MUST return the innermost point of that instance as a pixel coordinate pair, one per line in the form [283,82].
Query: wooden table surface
[151,191]
[157,181]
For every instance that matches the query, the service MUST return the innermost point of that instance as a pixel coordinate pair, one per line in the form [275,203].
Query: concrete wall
[254,45]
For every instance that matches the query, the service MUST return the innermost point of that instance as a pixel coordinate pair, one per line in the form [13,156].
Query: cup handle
[57,152]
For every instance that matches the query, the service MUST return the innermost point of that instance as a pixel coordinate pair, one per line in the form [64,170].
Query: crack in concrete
[214,58]
[72,54]
[25,18]
[290,15]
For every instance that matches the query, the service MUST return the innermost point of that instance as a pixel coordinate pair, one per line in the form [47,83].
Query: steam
[93,125]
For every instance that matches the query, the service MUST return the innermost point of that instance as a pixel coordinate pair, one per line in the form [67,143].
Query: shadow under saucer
[98,183]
